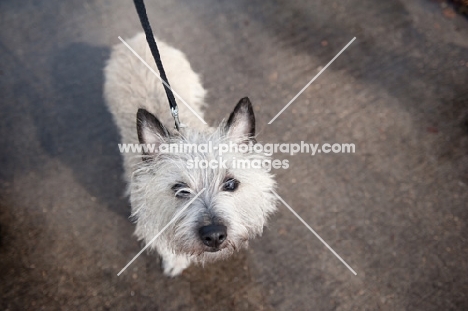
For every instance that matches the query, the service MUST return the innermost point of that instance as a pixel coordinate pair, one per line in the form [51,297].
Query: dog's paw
[175,265]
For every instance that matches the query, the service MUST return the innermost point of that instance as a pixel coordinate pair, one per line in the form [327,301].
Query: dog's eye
[231,184]
[181,190]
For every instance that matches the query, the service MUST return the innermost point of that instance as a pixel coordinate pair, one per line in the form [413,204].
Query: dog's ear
[241,122]
[150,130]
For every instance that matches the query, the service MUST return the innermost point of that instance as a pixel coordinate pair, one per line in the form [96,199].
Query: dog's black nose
[213,235]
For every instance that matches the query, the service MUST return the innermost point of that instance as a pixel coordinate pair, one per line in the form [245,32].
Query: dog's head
[218,200]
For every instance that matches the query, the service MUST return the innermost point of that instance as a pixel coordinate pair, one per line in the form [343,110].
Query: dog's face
[236,200]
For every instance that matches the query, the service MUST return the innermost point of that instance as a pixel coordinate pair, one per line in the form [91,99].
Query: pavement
[396,210]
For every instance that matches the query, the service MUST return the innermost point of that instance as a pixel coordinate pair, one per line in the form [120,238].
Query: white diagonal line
[315,233]
[152,70]
[310,82]
[160,232]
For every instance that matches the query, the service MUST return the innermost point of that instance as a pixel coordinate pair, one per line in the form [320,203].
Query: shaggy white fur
[130,85]
[161,184]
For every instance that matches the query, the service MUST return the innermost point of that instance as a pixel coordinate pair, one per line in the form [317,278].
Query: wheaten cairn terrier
[236,202]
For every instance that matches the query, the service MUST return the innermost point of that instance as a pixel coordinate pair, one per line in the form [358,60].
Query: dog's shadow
[75,126]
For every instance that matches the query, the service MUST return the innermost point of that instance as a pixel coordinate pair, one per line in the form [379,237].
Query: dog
[235,203]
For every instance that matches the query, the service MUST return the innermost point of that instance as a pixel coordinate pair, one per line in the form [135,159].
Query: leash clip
[175,115]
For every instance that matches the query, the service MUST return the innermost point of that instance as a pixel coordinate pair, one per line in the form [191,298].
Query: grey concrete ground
[396,210]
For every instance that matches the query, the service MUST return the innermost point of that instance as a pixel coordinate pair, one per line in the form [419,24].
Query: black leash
[141,10]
